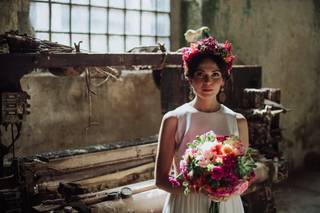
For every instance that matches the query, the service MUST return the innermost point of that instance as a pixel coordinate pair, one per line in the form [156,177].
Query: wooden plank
[96,158]
[124,177]
[119,178]
[93,171]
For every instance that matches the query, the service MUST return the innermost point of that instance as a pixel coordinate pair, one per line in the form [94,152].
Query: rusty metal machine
[99,178]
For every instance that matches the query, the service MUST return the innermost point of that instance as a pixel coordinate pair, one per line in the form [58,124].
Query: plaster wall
[125,109]
[282,37]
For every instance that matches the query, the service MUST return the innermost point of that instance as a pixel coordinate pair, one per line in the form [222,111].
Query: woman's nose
[206,78]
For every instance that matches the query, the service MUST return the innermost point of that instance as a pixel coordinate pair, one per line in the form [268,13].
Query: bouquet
[216,165]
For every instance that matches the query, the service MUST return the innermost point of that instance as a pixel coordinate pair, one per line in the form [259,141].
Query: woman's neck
[205,105]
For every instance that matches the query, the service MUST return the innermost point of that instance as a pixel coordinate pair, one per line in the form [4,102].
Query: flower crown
[209,45]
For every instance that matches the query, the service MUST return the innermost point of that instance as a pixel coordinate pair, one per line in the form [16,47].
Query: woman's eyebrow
[201,70]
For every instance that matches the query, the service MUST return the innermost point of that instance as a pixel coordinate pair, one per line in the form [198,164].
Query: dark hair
[192,65]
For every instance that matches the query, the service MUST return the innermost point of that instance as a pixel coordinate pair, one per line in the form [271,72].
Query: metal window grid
[107,34]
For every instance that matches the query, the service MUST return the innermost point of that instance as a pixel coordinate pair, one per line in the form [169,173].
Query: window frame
[156,37]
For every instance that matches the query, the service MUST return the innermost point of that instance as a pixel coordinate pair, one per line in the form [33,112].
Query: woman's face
[207,79]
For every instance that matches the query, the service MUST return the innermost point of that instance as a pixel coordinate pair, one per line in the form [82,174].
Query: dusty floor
[299,194]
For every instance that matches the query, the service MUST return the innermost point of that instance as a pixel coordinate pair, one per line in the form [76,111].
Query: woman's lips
[207,90]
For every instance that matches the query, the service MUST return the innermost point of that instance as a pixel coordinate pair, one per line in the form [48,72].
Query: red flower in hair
[210,45]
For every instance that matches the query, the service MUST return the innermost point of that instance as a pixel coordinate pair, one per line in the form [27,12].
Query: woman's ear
[222,84]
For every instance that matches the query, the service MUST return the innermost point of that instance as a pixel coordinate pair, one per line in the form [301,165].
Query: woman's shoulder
[179,111]
[232,113]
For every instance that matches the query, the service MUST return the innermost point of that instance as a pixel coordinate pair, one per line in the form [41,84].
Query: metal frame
[107,34]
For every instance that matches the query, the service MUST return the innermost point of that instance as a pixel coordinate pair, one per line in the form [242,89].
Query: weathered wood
[253,98]
[69,164]
[140,173]
[124,177]
[93,171]
[35,60]
[48,156]
[256,98]
[174,89]
[135,187]
[243,76]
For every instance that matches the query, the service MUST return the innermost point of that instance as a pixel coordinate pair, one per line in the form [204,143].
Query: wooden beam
[124,177]
[36,60]
[75,162]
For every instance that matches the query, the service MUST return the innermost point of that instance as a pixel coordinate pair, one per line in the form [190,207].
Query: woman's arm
[243,130]
[165,154]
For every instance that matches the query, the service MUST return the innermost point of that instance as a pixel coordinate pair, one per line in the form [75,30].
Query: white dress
[191,123]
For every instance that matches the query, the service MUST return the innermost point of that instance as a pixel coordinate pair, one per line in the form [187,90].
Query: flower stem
[214,207]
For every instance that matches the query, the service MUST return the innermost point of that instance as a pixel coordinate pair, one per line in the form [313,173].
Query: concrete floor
[299,194]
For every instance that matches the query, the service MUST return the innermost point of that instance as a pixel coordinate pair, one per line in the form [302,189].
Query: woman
[207,66]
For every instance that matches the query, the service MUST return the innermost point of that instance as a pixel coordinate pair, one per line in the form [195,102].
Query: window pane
[163,24]
[147,41]
[98,20]
[80,19]
[80,1]
[99,43]
[39,15]
[81,37]
[116,44]
[163,5]
[61,38]
[60,18]
[116,21]
[42,36]
[99,3]
[133,22]
[133,4]
[116,3]
[148,4]
[166,42]
[148,23]
[63,1]
[131,42]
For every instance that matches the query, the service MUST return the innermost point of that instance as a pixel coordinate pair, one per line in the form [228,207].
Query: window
[102,25]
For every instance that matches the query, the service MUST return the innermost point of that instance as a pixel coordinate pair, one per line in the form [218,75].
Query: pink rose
[241,187]
[217,173]
[175,183]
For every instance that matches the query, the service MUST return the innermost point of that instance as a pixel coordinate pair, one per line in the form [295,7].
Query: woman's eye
[200,75]
[216,75]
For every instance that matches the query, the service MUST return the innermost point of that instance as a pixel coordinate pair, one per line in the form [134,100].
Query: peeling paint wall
[282,37]
[125,109]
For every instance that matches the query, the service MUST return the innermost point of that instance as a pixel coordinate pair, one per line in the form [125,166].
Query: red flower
[217,173]
[221,138]
[209,44]
[174,181]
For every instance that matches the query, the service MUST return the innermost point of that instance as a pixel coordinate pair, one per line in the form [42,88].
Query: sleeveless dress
[191,123]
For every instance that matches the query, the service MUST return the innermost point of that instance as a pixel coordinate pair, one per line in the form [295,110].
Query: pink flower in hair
[209,45]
